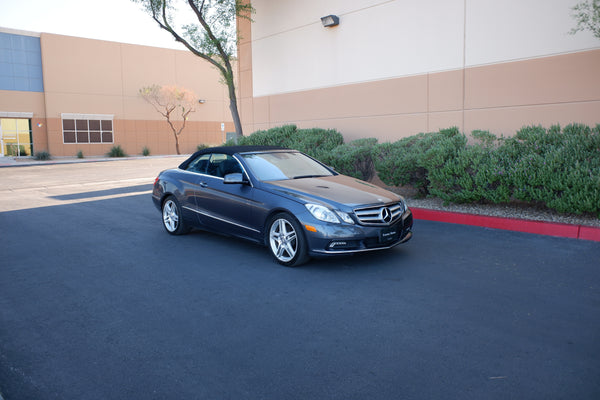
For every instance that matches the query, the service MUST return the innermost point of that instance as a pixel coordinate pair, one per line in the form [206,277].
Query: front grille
[380,215]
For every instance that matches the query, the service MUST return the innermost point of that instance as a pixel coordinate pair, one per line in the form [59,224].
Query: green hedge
[315,142]
[556,168]
[410,160]
[353,159]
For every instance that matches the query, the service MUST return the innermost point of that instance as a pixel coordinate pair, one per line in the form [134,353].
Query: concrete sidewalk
[29,161]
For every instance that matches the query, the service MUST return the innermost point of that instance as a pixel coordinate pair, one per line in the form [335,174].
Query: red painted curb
[510,224]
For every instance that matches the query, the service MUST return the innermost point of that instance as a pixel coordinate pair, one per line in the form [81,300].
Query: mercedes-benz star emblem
[385,215]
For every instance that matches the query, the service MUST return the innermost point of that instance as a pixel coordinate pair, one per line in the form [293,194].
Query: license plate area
[387,235]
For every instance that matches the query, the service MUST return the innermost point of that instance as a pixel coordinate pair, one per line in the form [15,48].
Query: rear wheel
[172,217]
[286,240]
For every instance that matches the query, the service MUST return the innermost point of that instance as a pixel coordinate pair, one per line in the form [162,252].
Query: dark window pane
[68,124]
[106,125]
[107,137]
[82,137]
[69,136]
[94,125]
[82,124]
[95,137]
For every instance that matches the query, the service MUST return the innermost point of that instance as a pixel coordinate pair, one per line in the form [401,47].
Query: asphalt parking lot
[98,302]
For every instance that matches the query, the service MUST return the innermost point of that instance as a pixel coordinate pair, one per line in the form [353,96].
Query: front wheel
[286,240]
[172,218]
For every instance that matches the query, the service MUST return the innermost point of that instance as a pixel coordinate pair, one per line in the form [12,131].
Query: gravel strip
[520,211]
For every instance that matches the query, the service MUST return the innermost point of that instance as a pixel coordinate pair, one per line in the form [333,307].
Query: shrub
[410,161]
[80,154]
[278,136]
[353,159]
[486,138]
[145,151]
[472,176]
[116,151]
[315,142]
[42,156]
[557,168]
[201,147]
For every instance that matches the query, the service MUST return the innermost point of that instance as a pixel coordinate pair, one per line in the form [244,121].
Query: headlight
[322,213]
[345,217]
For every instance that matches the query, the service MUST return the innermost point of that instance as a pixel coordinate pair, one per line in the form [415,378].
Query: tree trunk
[236,118]
[176,143]
[235,114]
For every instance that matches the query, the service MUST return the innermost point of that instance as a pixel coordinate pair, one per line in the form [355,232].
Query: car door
[190,181]
[228,208]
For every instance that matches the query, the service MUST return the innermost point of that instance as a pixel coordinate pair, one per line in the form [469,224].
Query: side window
[223,164]
[199,164]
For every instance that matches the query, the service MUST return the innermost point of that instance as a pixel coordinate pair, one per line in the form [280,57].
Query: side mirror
[235,178]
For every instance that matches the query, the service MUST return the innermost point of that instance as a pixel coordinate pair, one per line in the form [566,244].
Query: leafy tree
[171,102]
[587,14]
[213,38]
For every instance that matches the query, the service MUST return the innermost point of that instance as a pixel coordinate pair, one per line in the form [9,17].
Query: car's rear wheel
[286,240]
[172,218]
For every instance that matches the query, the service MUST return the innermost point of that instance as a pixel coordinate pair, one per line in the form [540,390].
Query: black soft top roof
[231,150]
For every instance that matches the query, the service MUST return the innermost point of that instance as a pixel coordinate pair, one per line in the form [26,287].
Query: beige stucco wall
[495,66]
[502,97]
[98,77]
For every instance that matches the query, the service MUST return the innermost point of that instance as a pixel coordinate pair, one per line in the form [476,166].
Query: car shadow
[101,193]
[367,260]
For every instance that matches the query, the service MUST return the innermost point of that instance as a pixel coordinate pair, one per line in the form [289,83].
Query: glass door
[15,137]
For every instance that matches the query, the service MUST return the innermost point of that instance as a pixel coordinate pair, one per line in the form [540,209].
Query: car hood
[338,189]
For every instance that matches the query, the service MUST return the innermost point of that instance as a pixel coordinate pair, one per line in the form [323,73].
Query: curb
[582,232]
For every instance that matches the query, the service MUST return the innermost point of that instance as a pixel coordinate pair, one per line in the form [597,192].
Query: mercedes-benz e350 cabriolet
[291,203]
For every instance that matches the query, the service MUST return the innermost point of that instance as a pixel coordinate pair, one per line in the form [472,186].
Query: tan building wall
[93,77]
[32,103]
[500,84]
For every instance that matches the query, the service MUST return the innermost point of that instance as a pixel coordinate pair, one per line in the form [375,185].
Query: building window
[20,62]
[87,128]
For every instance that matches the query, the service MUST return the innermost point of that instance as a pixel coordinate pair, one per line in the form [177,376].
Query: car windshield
[277,166]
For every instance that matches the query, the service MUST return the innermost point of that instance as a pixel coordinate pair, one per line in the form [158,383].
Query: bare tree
[213,38]
[171,102]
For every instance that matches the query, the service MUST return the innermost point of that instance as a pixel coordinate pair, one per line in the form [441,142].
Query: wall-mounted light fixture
[330,21]
[201,101]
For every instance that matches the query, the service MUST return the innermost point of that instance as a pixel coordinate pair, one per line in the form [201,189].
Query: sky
[113,20]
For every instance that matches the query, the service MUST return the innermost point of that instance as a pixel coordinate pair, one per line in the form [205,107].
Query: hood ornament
[385,215]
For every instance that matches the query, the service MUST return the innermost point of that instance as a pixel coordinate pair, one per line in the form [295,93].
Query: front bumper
[336,239]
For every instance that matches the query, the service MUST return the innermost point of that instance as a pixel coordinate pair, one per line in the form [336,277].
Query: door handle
[203,184]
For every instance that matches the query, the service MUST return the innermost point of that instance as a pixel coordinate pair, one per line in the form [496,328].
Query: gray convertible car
[296,206]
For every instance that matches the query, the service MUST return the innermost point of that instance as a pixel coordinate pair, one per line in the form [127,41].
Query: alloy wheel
[283,240]
[170,216]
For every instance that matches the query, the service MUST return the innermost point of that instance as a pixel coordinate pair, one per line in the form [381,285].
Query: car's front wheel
[172,218]
[286,240]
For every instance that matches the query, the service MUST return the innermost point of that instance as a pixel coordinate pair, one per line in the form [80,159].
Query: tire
[172,217]
[286,240]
